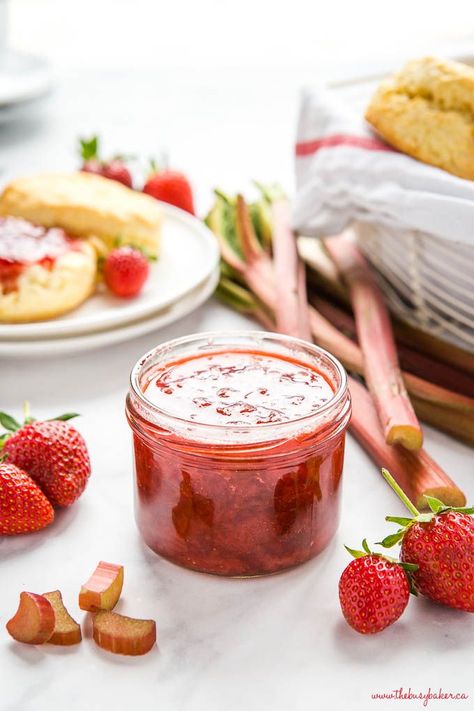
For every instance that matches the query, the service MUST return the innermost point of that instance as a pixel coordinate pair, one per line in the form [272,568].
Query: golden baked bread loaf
[86,205]
[427,111]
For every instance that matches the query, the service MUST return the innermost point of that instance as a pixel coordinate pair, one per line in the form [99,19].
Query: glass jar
[238,500]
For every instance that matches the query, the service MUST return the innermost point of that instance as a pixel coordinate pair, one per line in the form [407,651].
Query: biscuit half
[44,291]
[427,111]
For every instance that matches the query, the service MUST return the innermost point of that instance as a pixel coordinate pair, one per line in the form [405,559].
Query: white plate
[189,255]
[76,344]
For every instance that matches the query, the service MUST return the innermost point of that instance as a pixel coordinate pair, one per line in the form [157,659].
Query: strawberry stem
[27,413]
[399,492]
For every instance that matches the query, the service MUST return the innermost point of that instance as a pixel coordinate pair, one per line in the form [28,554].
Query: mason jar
[239,494]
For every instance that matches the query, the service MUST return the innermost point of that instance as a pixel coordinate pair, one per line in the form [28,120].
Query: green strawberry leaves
[409,568]
[401,520]
[65,417]
[120,242]
[9,422]
[437,507]
[360,554]
[435,504]
[89,148]
[354,553]
[392,539]
[12,425]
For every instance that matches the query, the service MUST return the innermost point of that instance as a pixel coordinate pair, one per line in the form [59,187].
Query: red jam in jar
[238,448]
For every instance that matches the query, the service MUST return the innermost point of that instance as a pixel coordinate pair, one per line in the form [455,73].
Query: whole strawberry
[441,544]
[373,591]
[23,506]
[52,452]
[125,271]
[114,169]
[170,186]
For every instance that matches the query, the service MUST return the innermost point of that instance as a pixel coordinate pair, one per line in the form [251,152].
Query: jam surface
[238,388]
[25,243]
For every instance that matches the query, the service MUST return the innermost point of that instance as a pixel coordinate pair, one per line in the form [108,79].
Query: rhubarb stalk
[436,405]
[428,476]
[415,472]
[375,336]
[290,280]
[324,276]
[413,361]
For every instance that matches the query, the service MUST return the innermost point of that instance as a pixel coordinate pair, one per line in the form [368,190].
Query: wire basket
[427,281]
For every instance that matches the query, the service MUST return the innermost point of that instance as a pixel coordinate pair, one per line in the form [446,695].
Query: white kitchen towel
[344,173]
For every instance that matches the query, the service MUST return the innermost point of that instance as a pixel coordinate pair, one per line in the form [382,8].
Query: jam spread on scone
[23,244]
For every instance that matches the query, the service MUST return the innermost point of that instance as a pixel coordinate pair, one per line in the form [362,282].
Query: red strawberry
[125,271]
[114,169]
[53,453]
[373,591]
[441,544]
[170,186]
[23,506]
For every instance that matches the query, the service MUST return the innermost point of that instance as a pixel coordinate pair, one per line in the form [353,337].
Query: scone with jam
[53,229]
[43,271]
[87,205]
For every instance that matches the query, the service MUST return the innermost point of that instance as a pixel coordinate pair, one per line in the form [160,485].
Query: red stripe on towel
[307,148]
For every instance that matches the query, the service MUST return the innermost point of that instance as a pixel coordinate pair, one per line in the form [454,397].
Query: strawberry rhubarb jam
[238,448]
[23,244]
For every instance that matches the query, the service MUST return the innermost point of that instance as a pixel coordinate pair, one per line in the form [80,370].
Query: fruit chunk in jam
[23,244]
[237,507]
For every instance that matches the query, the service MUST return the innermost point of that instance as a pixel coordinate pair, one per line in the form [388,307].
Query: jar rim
[213,338]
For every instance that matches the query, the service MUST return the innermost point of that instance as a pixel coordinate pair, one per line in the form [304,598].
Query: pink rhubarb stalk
[415,472]
[447,376]
[428,476]
[375,336]
[290,280]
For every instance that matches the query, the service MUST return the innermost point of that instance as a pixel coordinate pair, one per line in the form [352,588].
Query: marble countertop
[268,644]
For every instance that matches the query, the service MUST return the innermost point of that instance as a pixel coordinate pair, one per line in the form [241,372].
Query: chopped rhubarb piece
[34,620]
[123,635]
[66,630]
[102,590]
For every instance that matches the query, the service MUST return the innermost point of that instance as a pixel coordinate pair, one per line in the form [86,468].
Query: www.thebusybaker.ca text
[402,694]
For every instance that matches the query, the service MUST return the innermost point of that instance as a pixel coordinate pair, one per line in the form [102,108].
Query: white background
[216,84]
